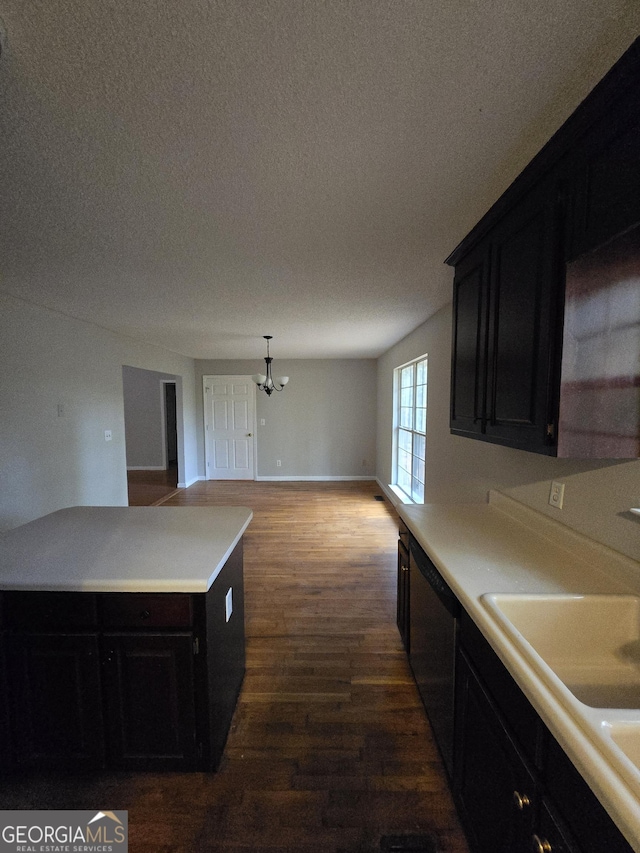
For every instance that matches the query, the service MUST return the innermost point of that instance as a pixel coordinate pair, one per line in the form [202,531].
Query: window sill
[402,497]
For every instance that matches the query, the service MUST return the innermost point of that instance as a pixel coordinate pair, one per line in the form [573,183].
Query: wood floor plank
[330,747]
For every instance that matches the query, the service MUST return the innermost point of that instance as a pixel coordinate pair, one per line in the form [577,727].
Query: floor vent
[408,844]
[378,498]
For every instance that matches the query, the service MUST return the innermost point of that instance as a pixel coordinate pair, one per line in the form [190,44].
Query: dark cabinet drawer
[45,611]
[146,610]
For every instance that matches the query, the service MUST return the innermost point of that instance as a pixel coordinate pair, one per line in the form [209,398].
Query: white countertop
[122,549]
[504,547]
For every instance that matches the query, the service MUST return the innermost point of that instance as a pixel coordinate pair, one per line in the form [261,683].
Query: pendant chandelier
[266,383]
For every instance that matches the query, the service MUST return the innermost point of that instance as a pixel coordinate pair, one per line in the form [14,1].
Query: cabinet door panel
[525,281]
[149,690]
[578,805]
[468,345]
[56,706]
[495,790]
[550,831]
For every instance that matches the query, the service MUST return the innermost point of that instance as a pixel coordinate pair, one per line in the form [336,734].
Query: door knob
[249,434]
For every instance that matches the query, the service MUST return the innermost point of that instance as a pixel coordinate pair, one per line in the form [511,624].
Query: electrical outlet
[556,494]
[279,463]
[107,435]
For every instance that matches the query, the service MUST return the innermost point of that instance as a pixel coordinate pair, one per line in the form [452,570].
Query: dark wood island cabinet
[131,680]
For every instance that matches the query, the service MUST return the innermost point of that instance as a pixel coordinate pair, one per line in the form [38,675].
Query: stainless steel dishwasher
[433,618]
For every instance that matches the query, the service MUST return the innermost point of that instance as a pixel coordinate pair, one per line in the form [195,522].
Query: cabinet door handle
[540,845]
[144,614]
[520,801]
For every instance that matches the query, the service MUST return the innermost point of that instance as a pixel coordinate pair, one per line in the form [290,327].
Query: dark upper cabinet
[603,171]
[523,297]
[505,306]
[470,306]
[579,193]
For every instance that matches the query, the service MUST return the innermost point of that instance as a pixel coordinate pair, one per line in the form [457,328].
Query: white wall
[48,461]
[322,425]
[598,493]
[144,417]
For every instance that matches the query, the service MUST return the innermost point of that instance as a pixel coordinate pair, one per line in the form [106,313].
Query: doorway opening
[170,438]
[152,416]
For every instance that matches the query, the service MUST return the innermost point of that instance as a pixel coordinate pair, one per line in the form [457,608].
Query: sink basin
[591,643]
[626,736]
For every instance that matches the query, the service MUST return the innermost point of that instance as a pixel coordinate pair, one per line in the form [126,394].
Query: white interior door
[229,415]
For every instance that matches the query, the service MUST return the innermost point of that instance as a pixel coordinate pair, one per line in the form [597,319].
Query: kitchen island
[524,750]
[121,637]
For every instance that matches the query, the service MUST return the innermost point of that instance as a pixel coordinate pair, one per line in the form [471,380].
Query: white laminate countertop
[504,547]
[122,549]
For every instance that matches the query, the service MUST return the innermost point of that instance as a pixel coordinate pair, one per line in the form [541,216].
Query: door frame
[226,377]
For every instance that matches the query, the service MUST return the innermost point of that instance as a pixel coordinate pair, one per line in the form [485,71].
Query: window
[411,429]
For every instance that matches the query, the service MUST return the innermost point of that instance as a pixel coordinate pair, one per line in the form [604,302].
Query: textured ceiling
[196,174]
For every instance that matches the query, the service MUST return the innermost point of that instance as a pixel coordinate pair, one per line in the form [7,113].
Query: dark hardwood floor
[330,748]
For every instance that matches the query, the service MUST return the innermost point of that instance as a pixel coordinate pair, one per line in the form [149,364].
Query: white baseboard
[190,482]
[310,479]
[146,467]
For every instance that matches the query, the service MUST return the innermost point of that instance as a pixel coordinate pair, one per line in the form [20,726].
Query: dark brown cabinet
[131,681]
[469,343]
[150,701]
[504,315]
[55,699]
[496,792]
[603,182]
[515,787]
[6,759]
[580,191]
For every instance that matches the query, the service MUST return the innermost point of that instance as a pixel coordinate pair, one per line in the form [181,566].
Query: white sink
[590,642]
[626,737]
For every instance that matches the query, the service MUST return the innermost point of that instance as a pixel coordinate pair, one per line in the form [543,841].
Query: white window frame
[410,430]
